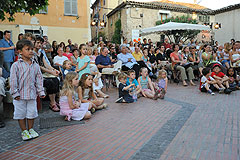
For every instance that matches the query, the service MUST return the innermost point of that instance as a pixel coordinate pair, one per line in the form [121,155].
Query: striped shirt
[26,80]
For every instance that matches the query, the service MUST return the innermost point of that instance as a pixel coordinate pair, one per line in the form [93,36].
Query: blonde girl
[86,93]
[146,84]
[69,106]
[161,84]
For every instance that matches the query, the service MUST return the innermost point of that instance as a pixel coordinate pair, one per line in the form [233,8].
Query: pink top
[69,55]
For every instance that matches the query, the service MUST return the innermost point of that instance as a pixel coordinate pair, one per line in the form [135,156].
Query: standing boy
[25,83]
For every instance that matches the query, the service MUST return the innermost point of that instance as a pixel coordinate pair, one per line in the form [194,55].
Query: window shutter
[74,7]
[67,7]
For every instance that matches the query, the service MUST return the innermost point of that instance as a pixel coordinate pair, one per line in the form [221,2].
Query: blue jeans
[7,66]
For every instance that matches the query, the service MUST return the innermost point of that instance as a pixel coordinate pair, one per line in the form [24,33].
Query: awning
[173,26]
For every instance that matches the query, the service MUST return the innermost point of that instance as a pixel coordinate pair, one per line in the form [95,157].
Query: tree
[117,32]
[177,35]
[9,8]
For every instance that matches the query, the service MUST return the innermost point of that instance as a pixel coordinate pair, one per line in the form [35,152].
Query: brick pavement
[199,126]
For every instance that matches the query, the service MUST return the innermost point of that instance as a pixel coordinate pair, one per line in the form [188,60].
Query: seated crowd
[79,72]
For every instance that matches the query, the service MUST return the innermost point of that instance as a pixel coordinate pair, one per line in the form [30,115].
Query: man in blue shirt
[104,63]
[7,47]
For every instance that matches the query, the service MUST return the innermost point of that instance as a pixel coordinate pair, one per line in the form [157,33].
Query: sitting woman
[235,56]
[226,59]
[195,59]
[208,56]
[50,75]
[179,64]
[162,58]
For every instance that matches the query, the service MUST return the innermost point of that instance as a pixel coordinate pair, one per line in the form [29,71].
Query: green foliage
[182,19]
[178,35]
[9,8]
[117,33]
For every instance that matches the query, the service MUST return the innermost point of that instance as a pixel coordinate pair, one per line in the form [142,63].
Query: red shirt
[68,55]
[220,74]
[167,45]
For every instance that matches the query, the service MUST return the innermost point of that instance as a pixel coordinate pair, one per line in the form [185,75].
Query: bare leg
[149,94]
[227,64]
[22,124]
[30,123]
[101,94]
[98,103]
[52,99]
[200,70]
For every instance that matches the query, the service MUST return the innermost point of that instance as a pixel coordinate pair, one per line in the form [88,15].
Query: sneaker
[26,135]
[105,105]
[211,92]
[119,100]
[33,133]
[221,90]
[227,91]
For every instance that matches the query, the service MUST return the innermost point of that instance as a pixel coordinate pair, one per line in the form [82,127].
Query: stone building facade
[139,15]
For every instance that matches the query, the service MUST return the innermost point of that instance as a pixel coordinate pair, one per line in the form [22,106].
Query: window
[104,2]
[35,32]
[70,7]
[164,14]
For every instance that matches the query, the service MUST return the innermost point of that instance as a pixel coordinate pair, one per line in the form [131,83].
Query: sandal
[54,108]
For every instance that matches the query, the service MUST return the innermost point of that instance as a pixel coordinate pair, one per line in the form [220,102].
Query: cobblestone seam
[154,148]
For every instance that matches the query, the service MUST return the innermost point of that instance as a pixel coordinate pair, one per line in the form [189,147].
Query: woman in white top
[235,56]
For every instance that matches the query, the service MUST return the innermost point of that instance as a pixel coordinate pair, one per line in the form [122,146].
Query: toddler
[86,93]
[26,82]
[69,106]
[145,84]
[220,77]
[161,86]
[209,84]
[67,67]
[123,88]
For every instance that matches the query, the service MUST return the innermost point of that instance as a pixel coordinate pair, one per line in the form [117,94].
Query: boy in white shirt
[208,83]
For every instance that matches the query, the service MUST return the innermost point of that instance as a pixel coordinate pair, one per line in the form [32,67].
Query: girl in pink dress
[69,106]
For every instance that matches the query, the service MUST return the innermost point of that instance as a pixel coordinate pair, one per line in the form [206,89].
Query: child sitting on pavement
[69,106]
[26,82]
[123,88]
[161,85]
[86,93]
[131,80]
[220,77]
[233,80]
[209,84]
[146,84]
